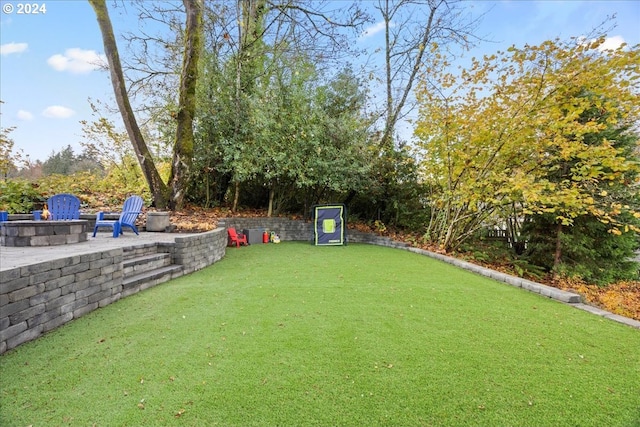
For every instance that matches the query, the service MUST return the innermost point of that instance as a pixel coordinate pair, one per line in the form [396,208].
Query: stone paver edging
[567,297]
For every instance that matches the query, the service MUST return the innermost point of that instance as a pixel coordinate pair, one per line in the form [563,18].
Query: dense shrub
[589,251]
[95,192]
[19,196]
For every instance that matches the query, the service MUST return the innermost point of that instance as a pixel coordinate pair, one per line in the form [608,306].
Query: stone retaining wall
[290,229]
[287,229]
[40,297]
[199,251]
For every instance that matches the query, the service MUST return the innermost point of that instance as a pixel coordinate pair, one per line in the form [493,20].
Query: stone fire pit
[43,233]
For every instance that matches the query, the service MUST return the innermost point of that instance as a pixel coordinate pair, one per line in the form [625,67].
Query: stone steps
[144,267]
[144,263]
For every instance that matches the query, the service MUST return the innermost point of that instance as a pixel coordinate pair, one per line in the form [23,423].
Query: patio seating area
[12,257]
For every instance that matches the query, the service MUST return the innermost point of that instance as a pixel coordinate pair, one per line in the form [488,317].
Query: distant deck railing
[496,234]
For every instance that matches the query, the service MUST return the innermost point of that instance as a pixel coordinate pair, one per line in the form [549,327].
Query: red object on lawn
[237,238]
[265,237]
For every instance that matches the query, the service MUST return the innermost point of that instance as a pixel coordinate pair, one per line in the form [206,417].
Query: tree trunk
[159,190]
[272,194]
[183,147]
[236,197]
[557,258]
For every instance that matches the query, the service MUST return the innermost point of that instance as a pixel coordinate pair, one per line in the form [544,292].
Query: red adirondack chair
[236,238]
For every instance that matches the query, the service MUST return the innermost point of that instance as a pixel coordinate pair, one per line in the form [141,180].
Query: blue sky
[49,62]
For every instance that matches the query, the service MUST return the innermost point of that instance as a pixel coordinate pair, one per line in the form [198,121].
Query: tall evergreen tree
[589,248]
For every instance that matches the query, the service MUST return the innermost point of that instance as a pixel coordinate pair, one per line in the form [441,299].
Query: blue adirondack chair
[130,211]
[64,207]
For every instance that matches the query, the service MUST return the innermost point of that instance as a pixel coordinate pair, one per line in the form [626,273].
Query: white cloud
[77,61]
[612,43]
[374,29]
[9,48]
[58,112]
[24,115]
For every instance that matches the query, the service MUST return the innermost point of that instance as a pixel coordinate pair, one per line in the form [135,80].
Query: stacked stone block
[201,250]
[287,229]
[40,297]
[290,229]
[43,233]
[354,236]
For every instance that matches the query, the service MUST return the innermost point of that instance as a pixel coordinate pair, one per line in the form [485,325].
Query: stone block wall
[199,251]
[40,297]
[290,229]
[287,229]
[42,233]
[90,218]
[354,236]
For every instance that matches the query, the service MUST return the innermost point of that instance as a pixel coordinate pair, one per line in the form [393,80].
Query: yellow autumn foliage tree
[490,135]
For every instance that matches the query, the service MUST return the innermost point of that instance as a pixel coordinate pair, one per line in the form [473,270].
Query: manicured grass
[296,335]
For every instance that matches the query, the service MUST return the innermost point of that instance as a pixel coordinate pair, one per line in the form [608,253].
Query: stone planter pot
[158,221]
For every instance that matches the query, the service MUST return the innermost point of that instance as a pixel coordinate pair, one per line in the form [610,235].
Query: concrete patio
[12,257]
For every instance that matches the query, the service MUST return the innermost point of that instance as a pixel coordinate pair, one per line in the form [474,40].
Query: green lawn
[296,335]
